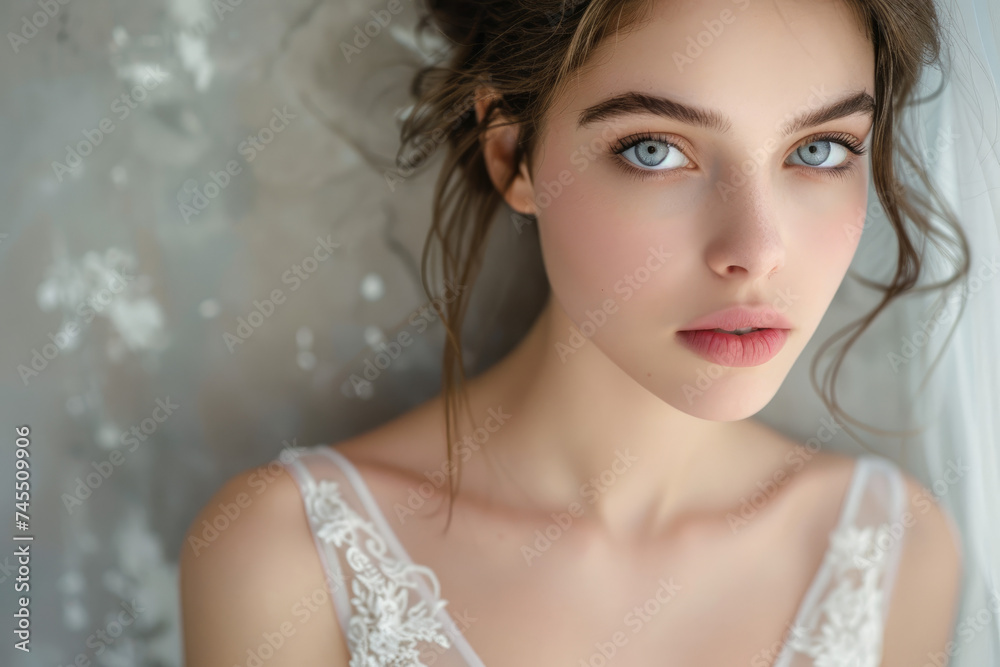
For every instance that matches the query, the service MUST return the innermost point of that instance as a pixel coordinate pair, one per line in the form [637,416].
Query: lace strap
[389,607]
[842,619]
[312,493]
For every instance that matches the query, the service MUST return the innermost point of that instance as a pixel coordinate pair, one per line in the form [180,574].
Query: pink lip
[741,317]
[726,349]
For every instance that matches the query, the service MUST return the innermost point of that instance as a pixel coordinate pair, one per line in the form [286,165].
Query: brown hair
[524,50]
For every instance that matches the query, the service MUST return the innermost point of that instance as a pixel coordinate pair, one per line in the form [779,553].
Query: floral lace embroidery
[385,628]
[851,634]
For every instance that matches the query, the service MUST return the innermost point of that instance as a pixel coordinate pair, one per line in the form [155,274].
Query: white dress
[392,615]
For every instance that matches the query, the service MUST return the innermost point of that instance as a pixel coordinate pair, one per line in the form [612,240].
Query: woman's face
[700,162]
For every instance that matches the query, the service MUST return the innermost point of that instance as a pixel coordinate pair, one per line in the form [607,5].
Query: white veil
[960,404]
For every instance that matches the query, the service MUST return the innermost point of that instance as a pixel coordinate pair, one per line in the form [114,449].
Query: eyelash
[851,143]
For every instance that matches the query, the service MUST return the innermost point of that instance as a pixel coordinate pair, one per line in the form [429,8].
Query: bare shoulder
[402,448]
[926,590]
[810,473]
[925,596]
[253,589]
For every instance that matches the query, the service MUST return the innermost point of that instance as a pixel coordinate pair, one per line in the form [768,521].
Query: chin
[719,393]
[724,404]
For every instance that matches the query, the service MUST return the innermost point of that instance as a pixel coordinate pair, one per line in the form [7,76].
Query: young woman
[697,175]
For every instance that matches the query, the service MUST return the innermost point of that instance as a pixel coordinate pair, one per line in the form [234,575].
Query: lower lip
[726,349]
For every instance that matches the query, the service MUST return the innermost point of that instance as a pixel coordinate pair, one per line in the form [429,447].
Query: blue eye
[821,153]
[647,155]
[654,155]
[828,151]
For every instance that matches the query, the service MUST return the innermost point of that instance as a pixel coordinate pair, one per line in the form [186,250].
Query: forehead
[755,60]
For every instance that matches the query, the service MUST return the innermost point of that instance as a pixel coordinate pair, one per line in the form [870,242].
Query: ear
[499,145]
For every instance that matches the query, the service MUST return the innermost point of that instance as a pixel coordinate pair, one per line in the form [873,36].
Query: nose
[746,239]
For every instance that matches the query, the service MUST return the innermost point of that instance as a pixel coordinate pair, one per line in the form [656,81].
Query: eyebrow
[635,102]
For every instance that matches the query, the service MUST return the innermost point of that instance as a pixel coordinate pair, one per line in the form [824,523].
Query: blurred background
[200,248]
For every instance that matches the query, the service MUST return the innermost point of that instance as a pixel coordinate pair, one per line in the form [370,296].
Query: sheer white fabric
[389,608]
[391,611]
[959,439]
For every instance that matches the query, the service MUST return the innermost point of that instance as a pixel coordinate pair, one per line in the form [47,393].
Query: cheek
[824,226]
[828,227]
[599,242]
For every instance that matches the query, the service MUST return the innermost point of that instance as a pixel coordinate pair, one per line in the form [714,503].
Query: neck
[581,430]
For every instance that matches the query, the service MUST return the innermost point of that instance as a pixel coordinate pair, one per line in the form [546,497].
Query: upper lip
[741,317]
